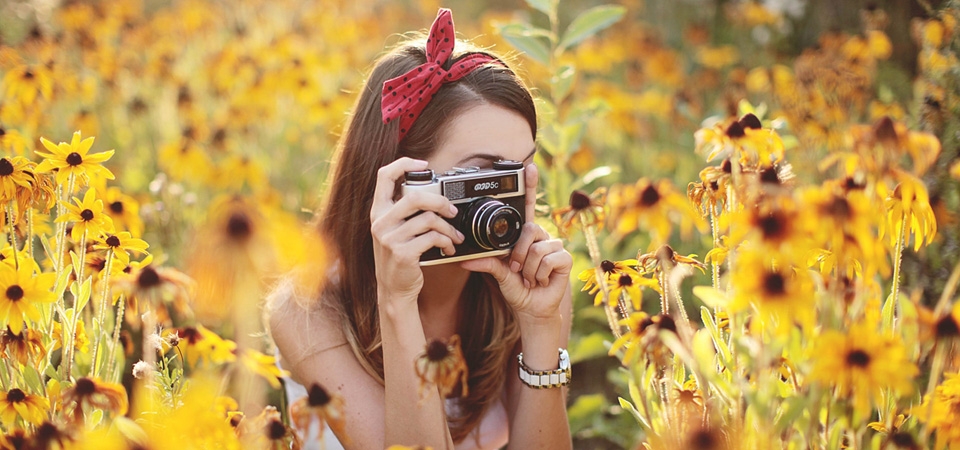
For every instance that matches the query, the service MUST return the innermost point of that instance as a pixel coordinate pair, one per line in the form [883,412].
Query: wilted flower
[442,364]
[319,404]
[583,209]
[91,394]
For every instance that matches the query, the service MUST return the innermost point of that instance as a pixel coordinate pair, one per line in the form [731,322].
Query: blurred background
[213,102]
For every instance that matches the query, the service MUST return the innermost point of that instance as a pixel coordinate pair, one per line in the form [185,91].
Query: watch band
[546,379]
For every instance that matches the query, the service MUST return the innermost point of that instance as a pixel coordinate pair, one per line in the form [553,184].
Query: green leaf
[529,40]
[589,23]
[711,296]
[582,412]
[562,82]
[32,378]
[886,313]
[588,347]
[545,6]
[795,406]
[84,296]
[625,404]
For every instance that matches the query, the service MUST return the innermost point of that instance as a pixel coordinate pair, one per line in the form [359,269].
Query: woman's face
[482,135]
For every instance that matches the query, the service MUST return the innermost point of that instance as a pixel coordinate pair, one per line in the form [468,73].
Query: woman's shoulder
[302,321]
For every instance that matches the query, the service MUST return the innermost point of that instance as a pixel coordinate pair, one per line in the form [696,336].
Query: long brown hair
[487,328]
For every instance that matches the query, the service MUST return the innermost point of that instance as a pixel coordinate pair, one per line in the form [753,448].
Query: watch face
[564,359]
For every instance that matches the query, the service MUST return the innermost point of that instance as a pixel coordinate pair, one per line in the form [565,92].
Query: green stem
[664,300]
[715,268]
[593,247]
[118,323]
[101,310]
[938,360]
[895,288]
[68,346]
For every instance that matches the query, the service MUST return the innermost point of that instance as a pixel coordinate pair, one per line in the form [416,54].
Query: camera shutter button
[507,165]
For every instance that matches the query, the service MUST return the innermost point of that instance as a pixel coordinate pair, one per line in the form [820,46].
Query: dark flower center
[884,129]
[148,278]
[772,225]
[86,215]
[858,358]
[774,284]
[665,322]
[839,208]
[47,433]
[851,183]
[239,226]
[6,167]
[235,420]
[2,132]
[903,439]
[750,121]
[16,396]
[625,280]
[714,186]
[276,430]
[191,334]
[947,328]
[578,200]
[28,75]
[703,440]
[649,196]
[608,266]
[735,130]
[318,396]
[14,293]
[117,207]
[113,241]
[437,351]
[769,175]
[85,387]
[726,166]
[74,159]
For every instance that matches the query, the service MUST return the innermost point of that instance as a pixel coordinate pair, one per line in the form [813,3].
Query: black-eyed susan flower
[27,83]
[326,407]
[20,292]
[744,140]
[442,364]
[268,430]
[11,141]
[862,364]
[13,174]
[783,295]
[121,244]
[942,412]
[609,270]
[264,365]
[158,287]
[124,210]
[15,403]
[74,159]
[654,207]
[909,213]
[92,394]
[49,436]
[643,339]
[627,286]
[81,342]
[666,258]
[87,217]
[184,160]
[25,347]
[583,210]
[197,343]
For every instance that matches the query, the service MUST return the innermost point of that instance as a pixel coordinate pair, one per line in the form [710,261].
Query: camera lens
[493,224]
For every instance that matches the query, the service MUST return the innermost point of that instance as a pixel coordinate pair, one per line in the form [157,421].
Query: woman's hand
[536,275]
[406,228]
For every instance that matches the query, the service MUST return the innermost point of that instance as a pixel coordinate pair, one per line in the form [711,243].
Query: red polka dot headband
[406,96]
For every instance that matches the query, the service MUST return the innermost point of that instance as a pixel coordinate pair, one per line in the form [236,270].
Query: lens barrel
[493,224]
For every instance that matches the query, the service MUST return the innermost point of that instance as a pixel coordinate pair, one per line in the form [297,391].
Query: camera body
[491,207]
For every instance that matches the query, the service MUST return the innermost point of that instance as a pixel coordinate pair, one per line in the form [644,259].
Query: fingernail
[453,210]
[515,266]
[460,235]
[526,283]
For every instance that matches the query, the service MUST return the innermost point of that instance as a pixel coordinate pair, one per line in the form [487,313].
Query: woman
[362,334]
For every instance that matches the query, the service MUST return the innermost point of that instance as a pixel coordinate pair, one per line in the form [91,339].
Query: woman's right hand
[401,235]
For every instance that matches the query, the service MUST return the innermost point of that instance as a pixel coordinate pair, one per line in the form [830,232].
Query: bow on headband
[406,96]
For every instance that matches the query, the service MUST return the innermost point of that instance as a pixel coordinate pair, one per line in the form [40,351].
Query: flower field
[762,201]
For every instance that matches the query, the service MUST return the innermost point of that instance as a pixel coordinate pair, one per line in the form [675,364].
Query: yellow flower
[653,206]
[22,290]
[14,174]
[121,243]
[584,210]
[909,212]
[942,412]
[862,364]
[326,407]
[198,343]
[185,160]
[442,364]
[80,340]
[16,403]
[25,347]
[73,159]
[11,141]
[265,366]
[198,415]
[629,285]
[124,210]
[608,270]
[717,57]
[744,140]
[240,170]
[782,295]
[955,170]
[26,83]
[643,337]
[90,394]
[268,431]
[87,216]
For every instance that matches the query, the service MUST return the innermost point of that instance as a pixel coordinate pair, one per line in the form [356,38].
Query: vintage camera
[490,205]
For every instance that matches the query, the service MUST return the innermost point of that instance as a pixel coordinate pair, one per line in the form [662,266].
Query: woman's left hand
[536,275]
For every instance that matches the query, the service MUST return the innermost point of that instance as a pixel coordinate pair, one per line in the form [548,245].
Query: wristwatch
[545,379]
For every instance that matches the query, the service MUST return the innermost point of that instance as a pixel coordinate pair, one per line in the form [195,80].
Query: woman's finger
[530,233]
[554,263]
[427,221]
[535,256]
[530,180]
[420,244]
[387,178]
